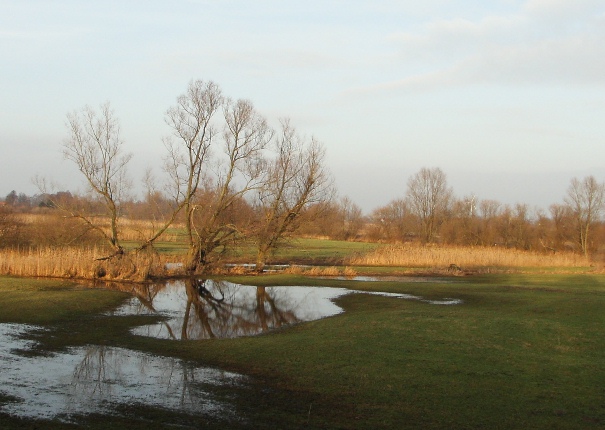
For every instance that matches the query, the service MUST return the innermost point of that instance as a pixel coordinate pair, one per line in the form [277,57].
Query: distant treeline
[466,221]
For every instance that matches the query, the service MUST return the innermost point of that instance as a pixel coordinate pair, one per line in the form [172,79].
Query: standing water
[100,379]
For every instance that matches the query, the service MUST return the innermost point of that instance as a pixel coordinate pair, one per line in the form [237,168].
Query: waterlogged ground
[100,379]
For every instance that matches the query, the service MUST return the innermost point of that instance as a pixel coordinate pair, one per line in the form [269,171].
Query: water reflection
[207,309]
[407,279]
[96,379]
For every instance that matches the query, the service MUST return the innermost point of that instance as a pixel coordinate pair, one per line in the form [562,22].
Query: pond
[207,309]
[100,379]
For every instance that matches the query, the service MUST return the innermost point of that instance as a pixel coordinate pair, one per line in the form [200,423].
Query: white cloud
[446,38]
[563,9]
[556,41]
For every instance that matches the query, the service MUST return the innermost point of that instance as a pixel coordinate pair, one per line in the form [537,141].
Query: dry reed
[129,230]
[294,270]
[79,263]
[322,271]
[412,255]
[349,272]
[139,230]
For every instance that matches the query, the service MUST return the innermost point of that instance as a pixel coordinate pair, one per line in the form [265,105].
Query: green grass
[34,301]
[328,251]
[304,251]
[299,250]
[523,351]
[168,248]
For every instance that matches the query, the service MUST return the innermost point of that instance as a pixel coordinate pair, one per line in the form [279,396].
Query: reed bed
[130,230]
[79,263]
[331,271]
[140,230]
[412,255]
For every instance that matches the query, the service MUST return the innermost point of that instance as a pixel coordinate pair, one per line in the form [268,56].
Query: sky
[507,97]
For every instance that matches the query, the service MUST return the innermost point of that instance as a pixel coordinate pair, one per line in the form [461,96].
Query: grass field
[522,351]
[301,250]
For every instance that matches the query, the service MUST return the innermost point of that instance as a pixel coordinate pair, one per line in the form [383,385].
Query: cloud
[445,39]
[562,9]
[282,58]
[556,41]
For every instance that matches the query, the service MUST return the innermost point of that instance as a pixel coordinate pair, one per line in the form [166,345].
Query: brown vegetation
[80,263]
[465,257]
[467,232]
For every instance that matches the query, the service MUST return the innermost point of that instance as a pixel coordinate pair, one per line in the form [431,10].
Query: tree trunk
[261,258]
[193,259]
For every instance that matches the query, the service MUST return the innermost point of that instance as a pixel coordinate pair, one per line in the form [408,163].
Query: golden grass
[466,257]
[139,230]
[129,230]
[321,271]
[79,263]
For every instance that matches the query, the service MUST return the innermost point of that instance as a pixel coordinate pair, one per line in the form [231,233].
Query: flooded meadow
[97,379]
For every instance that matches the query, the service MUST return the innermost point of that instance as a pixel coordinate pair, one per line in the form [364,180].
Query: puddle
[408,279]
[267,268]
[446,301]
[96,379]
[219,309]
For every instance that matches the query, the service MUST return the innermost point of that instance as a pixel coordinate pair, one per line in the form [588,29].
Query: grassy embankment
[523,351]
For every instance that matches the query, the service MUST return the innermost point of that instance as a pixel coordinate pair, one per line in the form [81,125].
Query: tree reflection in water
[107,375]
[96,379]
[207,309]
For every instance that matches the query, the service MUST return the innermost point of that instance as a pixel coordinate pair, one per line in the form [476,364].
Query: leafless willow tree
[295,179]
[239,168]
[586,199]
[429,198]
[213,162]
[189,151]
[95,147]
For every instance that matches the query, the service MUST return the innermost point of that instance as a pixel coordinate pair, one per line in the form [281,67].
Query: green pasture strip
[298,250]
[37,301]
[305,251]
[322,249]
[170,248]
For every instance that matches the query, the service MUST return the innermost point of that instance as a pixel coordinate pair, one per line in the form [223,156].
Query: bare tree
[462,226]
[213,163]
[429,198]
[586,199]
[391,222]
[562,218]
[186,163]
[295,179]
[239,169]
[489,211]
[95,147]
[352,218]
